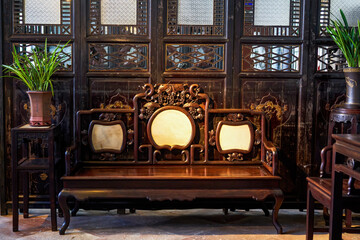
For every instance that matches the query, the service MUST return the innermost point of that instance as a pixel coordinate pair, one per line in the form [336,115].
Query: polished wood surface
[195,170]
[320,189]
[171,172]
[24,161]
[348,146]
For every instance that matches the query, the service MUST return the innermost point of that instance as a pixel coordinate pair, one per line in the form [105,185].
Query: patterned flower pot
[39,108]
[352,78]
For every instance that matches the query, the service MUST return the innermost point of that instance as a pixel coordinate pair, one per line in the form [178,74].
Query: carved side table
[342,121]
[34,149]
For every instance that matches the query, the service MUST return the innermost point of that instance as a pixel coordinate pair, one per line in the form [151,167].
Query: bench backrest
[172,124]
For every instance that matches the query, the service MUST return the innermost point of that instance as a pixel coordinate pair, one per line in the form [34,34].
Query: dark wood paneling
[2,125]
[304,96]
[106,91]
[279,99]
[213,87]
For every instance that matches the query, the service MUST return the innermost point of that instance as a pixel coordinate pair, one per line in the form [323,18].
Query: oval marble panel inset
[107,137]
[235,137]
[171,127]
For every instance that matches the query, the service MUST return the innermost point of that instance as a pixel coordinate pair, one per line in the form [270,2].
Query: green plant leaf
[35,70]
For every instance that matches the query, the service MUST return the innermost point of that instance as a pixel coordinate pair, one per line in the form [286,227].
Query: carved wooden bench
[170,145]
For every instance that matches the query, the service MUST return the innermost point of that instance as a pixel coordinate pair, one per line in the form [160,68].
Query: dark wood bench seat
[216,154]
[170,172]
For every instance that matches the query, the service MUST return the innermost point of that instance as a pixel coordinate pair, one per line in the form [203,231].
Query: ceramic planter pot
[352,78]
[40,108]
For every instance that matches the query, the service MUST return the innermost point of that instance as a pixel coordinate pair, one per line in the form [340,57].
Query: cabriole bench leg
[76,208]
[279,198]
[63,197]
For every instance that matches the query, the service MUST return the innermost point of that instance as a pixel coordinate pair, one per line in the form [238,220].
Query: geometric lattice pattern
[272,13]
[42,11]
[270,58]
[118,17]
[272,18]
[330,59]
[42,17]
[118,12]
[194,57]
[200,12]
[331,9]
[351,9]
[66,64]
[189,17]
[118,57]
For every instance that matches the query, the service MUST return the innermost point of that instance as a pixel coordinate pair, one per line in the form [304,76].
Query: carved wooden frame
[217,136]
[62,29]
[153,116]
[95,28]
[120,122]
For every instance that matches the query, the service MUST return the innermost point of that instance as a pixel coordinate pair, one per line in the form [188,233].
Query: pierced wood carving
[172,95]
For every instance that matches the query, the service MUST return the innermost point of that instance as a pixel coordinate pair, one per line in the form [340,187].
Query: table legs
[336,207]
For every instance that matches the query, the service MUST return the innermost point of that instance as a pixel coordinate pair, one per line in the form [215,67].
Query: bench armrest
[68,157]
[325,162]
[270,160]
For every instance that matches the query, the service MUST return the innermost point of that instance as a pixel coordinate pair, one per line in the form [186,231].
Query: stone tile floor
[197,224]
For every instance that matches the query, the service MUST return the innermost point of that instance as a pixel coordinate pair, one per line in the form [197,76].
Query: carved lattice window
[201,17]
[26,48]
[331,10]
[330,59]
[270,58]
[272,18]
[195,57]
[45,17]
[118,17]
[118,57]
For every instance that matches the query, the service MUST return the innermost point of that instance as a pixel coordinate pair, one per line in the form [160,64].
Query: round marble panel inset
[171,127]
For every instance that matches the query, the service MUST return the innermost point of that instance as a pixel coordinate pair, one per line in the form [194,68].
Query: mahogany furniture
[346,160]
[170,145]
[24,161]
[341,120]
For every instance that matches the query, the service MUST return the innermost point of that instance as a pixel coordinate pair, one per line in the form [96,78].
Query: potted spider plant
[35,71]
[348,40]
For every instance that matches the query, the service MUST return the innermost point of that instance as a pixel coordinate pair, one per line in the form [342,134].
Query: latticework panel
[194,57]
[109,17]
[330,59]
[118,57]
[50,17]
[270,58]
[27,48]
[186,17]
[272,18]
[331,10]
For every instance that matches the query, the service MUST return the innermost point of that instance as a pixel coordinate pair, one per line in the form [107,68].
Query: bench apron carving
[171,145]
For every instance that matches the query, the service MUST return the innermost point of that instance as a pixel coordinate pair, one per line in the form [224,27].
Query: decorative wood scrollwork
[235,117]
[130,135]
[107,117]
[185,155]
[172,95]
[107,157]
[235,157]
[269,158]
[155,154]
[117,101]
[257,137]
[212,139]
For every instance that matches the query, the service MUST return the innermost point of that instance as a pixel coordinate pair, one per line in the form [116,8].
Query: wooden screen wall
[270,55]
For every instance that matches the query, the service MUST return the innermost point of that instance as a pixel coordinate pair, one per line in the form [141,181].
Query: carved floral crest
[172,95]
